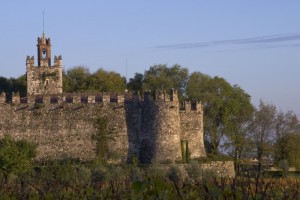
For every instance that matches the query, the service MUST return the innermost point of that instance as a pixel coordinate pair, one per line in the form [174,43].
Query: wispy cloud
[265,40]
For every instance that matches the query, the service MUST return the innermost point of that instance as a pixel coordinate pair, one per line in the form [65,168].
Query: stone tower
[44,79]
[160,135]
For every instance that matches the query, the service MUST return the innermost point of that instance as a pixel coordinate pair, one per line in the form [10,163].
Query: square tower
[44,79]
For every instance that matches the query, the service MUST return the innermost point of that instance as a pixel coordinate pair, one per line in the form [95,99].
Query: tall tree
[262,131]
[286,126]
[237,124]
[136,83]
[217,96]
[162,77]
[292,149]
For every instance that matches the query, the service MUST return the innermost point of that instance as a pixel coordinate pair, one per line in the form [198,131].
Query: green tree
[10,85]
[262,130]
[221,105]
[107,81]
[76,79]
[286,126]
[103,137]
[162,77]
[292,142]
[15,156]
[136,83]
[237,123]
[79,79]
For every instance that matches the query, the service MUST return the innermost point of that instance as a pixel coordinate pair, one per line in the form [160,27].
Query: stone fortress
[153,128]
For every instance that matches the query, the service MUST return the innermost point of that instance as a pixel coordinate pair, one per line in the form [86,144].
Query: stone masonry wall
[222,168]
[65,130]
[160,136]
[44,79]
[63,126]
[191,123]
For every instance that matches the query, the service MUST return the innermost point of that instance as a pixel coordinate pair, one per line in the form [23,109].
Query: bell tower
[44,51]
[44,79]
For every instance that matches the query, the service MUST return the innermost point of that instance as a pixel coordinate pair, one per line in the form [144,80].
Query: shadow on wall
[140,117]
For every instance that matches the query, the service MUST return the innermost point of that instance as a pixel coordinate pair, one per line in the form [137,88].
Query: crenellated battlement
[69,98]
[191,106]
[29,62]
[44,40]
[58,61]
[161,96]
[104,98]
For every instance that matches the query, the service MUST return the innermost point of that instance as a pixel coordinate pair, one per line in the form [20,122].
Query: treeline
[231,123]
[10,85]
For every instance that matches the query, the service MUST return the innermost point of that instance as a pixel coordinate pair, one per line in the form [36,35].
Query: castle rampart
[63,125]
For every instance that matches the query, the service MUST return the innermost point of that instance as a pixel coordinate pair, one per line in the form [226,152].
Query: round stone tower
[160,135]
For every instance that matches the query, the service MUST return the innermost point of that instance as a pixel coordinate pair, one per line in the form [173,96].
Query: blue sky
[254,44]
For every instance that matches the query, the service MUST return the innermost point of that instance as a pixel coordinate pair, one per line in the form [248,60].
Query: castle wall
[66,129]
[63,126]
[191,123]
[133,117]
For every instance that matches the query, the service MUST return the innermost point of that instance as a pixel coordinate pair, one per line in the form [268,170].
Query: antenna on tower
[43,21]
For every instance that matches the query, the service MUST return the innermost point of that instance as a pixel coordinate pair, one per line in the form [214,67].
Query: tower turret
[44,79]
[160,136]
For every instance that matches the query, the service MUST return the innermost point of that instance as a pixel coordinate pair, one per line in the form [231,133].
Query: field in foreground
[71,180]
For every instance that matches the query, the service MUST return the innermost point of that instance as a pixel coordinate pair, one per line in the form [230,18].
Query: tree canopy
[80,79]
[10,85]
[161,78]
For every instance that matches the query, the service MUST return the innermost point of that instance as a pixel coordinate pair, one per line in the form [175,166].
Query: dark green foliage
[16,85]
[76,79]
[162,77]
[226,109]
[15,156]
[136,83]
[102,138]
[79,79]
[107,81]
[286,146]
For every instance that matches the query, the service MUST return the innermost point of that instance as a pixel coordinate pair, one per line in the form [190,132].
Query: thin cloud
[269,39]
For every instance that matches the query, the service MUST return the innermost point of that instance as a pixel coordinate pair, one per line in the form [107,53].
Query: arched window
[44,53]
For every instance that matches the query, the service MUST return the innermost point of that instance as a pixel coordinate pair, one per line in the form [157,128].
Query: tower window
[44,53]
